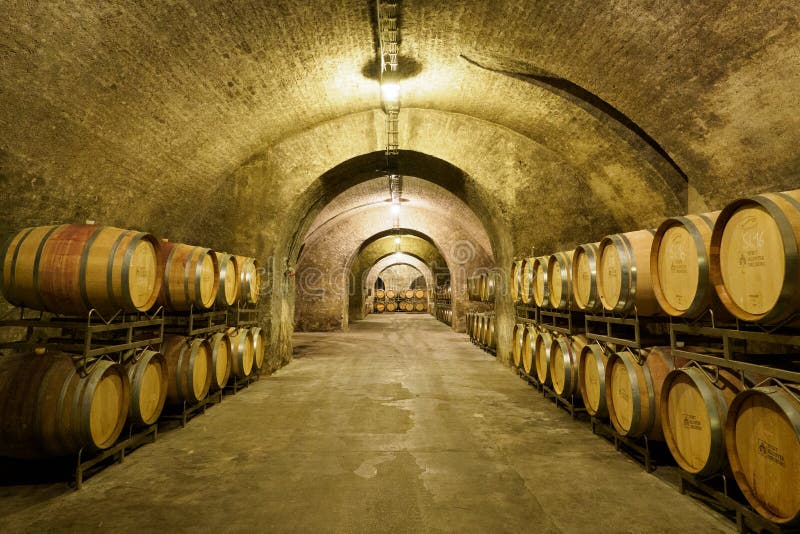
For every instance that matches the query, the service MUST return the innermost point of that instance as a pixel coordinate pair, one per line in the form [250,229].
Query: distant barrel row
[707,415]
[403,306]
[381,294]
[743,261]
[481,329]
[50,409]
[482,287]
[445,315]
[73,268]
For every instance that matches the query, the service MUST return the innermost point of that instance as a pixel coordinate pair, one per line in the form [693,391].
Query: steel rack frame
[572,404]
[638,449]
[190,410]
[629,331]
[136,438]
[562,322]
[186,323]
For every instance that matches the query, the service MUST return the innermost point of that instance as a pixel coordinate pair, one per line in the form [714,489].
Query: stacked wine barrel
[481,329]
[483,287]
[52,407]
[407,300]
[742,263]
[445,315]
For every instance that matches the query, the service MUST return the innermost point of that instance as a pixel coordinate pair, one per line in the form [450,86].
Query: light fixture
[397,240]
[390,91]
[395,209]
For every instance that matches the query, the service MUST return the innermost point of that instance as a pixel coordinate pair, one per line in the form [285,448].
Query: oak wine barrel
[189,368]
[516,346]
[191,277]
[420,306]
[228,292]
[380,294]
[73,268]
[542,356]
[762,436]
[391,306]
[527,281]
[584,277]
[147,375]
[529,348]
[242,360]
[221,360]
[680,265]
[540,286]
[515,281]
[564,365]
[390,294]
[409,294]
[419,294]
[489,338]
[694,407]
[249,280]
[380,307]
[633,391]
[259,346]
[755,257]
[592,379]
[559,279]
[49,410]
[623,276]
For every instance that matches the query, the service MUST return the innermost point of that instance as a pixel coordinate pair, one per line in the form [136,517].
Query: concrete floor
[399,425]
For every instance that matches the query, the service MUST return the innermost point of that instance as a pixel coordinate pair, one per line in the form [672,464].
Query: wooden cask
[380,307]
[147,374]
[228,292]
[564,364]
[243,358]
[542,356]
[249,280]
[633,391]
[191,277]
[516,346]
[221,360]
[391,306]
[188,369]
[680,265]
[49,410]
[488,332]
[409,294]
[559,279]
[73,268]
[584,278]
[420,306]
[419,294]
[481,330]
[259,347]
[527,280]
[380,294]
[755,257]
[529,348]
[623,277]
[515,281]
[489,286]
[540,286]
[592,379]
[694,408]
[390,294]
[762,435]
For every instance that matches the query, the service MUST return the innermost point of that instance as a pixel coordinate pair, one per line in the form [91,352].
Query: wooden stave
[544,341]
[489,338]
[516,345]
[599,359]
[717,400]
[219,341]
[529,349]
[789,299]
[561,298]
[657,364]
[182,354]
[540,297]
[74,296]
[183,277]
[591,251]
[259,347]
[636,292]
[227,262]
[570,348]
[700,227]
[136,372]
[56,419]
[526,281]
[242,358]
[249,280]
[791,409]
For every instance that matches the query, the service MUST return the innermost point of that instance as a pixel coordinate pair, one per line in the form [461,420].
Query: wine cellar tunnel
[581,193]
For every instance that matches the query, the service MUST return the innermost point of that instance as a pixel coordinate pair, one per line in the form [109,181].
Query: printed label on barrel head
[770,452]
[691,422]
